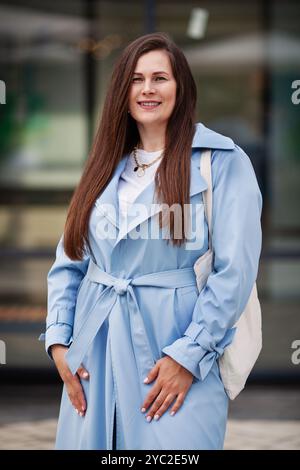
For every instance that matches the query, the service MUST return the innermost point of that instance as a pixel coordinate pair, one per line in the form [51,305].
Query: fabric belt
[110,298]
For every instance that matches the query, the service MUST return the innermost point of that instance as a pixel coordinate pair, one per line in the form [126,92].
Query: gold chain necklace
[141,167]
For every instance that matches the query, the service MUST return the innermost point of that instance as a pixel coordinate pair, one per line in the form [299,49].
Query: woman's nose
[148,87]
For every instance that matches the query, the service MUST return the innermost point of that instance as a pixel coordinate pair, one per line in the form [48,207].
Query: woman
[122,294]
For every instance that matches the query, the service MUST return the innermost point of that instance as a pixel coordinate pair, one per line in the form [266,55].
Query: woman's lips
[149,106]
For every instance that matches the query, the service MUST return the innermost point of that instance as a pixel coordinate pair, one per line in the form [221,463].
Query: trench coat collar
[207,138]
[203,138]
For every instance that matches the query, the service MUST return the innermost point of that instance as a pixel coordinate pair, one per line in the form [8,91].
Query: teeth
[149,104]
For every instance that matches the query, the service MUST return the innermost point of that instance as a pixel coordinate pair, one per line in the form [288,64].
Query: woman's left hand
[172,382]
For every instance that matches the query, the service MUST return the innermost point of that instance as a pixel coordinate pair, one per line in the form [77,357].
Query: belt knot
[121,285]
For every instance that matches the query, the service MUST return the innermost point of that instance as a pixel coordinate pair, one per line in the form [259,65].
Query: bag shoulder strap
[205,170]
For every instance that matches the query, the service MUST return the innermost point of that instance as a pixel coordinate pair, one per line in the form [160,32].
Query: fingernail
[148,418]
[172,413]
[143,410]
[82,408]
[76,411]
[156,417]
[80,414]
[146,380]
[85,375]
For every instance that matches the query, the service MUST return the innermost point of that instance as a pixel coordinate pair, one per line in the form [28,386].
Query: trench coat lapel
[144,205]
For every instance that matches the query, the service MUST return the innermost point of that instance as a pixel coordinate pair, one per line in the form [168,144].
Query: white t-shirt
[130,184]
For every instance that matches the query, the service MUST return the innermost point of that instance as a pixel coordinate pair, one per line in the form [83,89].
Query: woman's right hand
[72,382]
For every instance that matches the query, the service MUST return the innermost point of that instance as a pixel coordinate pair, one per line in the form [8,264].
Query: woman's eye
[135,79]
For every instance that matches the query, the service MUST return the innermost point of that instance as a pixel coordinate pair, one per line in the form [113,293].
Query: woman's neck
[151,138]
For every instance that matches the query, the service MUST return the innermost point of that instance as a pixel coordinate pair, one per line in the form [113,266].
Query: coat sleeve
[63,281]
[236,240]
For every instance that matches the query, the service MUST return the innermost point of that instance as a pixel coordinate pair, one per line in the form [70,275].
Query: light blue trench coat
[133,299]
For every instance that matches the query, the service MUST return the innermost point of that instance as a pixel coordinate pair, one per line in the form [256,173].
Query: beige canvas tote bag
[239,357]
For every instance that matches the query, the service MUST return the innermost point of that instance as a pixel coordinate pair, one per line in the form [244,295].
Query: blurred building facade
[56,59]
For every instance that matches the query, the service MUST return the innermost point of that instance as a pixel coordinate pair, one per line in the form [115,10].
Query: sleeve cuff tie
[200,335]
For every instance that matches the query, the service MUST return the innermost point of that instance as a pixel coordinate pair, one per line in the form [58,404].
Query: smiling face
[152,94]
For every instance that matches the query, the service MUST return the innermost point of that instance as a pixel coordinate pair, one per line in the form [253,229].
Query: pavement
[260,418]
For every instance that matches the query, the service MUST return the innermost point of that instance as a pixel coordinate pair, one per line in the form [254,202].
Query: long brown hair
[117,135]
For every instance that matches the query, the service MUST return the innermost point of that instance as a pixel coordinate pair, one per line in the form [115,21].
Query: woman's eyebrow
[154,73]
